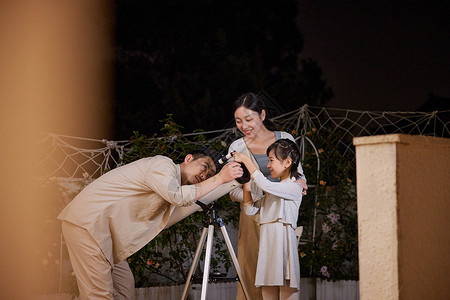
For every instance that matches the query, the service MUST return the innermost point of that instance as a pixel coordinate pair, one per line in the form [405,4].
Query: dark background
[193,58]
[380,55]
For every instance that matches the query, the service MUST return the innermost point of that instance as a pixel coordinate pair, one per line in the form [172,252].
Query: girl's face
[249,122]
[278,168]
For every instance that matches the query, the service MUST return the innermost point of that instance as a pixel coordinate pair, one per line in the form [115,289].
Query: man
[124,209]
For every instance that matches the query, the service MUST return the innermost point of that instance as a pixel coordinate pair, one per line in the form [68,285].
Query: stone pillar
[403,192]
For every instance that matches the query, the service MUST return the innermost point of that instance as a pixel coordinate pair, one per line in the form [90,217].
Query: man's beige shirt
[128,206]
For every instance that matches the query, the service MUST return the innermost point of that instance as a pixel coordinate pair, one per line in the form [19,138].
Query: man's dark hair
[202,152]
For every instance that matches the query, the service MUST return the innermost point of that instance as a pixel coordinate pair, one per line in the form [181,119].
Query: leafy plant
[332,252]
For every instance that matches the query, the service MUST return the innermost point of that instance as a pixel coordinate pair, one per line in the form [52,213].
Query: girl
[259,133]
[278,268]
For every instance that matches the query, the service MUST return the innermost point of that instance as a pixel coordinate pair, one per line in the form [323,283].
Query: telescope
[180,213]
[245,177]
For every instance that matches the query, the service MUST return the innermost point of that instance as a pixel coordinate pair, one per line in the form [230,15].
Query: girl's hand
[240,157]
[246,160]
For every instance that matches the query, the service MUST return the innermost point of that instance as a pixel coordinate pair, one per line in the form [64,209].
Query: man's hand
[230,171]
[302,182]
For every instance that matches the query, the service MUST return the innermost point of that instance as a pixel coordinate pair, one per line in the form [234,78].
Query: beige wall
[403,191]
[55,76]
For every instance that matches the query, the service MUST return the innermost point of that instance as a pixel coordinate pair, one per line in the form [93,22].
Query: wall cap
[401,139]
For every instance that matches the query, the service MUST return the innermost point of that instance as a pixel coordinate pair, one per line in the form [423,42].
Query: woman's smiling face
[248,122]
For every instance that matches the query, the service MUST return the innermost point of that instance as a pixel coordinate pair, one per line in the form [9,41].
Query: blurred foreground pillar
[55,76]
[403,192]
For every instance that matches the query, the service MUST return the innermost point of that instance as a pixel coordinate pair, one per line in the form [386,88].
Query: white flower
[325,228]
[324,271]
[335,245]
[223,143]
[333,218]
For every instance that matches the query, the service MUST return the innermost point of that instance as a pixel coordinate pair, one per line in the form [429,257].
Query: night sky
[199,56]
[379,56]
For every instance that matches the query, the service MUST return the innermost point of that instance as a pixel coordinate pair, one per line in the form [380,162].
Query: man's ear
[188,158]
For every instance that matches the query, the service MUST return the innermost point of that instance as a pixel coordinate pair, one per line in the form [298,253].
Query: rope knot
[110,144]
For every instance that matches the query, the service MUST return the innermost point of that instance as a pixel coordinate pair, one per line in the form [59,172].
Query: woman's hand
[302,182]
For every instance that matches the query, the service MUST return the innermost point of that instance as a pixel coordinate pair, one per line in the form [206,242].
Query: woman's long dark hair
[284,148]
[253,102]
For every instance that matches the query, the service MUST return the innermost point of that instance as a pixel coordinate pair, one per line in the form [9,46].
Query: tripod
[208,231]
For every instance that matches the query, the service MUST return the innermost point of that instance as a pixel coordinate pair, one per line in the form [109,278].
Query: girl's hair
[253,102]
[284,148]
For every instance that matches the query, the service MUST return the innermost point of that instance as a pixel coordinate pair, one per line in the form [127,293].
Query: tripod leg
[194,263]
[207,260]
[235,261]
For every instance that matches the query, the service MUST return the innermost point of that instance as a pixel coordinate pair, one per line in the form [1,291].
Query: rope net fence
[75,161]
[75,158]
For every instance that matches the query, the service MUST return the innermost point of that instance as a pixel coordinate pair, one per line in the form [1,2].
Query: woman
[278,270]
[259,133]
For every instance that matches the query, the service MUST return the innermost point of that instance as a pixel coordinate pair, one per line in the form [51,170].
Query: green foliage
[333,254]
[167,258]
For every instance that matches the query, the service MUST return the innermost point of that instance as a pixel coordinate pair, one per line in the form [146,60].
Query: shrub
[332,253]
